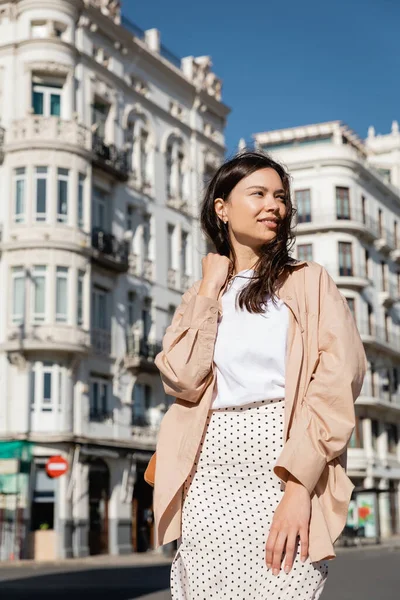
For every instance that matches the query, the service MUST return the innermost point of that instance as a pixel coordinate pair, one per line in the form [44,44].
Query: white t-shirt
[250,350]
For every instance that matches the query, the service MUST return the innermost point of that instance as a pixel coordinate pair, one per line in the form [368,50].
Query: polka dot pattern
[229,501]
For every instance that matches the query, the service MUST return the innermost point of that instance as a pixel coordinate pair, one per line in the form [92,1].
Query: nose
[271,203]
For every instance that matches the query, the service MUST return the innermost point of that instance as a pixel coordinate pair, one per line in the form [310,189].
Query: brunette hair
[275,255]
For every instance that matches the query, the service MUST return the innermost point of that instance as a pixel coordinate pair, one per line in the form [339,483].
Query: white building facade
[347,195]
[107,140]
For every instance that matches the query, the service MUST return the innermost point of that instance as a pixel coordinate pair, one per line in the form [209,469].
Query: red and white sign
[56,466]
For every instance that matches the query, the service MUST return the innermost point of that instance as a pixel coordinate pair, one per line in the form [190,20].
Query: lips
[272,223]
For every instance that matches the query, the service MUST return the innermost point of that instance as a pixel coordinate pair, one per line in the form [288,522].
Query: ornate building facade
[107,140]
[347,194]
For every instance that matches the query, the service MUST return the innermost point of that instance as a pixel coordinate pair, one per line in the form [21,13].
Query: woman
[265,361]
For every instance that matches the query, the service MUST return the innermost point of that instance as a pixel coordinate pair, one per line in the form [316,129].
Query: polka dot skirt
[229,501]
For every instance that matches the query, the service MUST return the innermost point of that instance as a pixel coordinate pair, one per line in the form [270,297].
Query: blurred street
[356,574]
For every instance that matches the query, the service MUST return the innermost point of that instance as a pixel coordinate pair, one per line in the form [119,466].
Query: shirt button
[213,309]
[210,319]
[288,297]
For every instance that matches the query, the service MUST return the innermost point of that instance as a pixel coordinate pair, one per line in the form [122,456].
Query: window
[130,211]
[352,306]
[180,163]
[366,257]
[305,252]
[357,440]
[395,234]
[383,276]
[47,382]
[303,205]
[141,403]
[392,437]
[146,236]
[62,192]
[41,193]
[387,327]
[100,391]
[20,191]
[100,309]
[146,318]
[46,99]
[168,165]
[79,311]
[81,199]
[364,209]
[345,259]
[39,296]
[184,252]
[100,205]
[170,247]
[374,433]
[342,203]
[380,222]
[18,294]
[131,309]
[62,294]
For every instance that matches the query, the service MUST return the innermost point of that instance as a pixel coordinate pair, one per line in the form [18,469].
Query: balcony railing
[355,271]
[110,158]
[378,334]
[101,341]
[140,352]
[36,128]
[356,219]
[109,251]
[100,415]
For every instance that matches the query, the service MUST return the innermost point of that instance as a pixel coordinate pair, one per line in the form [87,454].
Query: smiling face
[254,210]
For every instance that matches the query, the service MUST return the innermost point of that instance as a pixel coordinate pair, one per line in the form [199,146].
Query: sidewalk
[133,560]
[365,544]
[157,558]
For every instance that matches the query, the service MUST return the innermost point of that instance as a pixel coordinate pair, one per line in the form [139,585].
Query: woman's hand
[291,519]
[215,271]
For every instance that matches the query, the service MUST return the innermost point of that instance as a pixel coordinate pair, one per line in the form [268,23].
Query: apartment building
[347,194]
[106,141]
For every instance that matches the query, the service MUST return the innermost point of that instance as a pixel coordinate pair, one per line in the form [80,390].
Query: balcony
[36,131]
[385,242]
[353,276]
[105,416]
[379,338]
[389,295]
[101,341]
[109,252]
[179,204]
[43,337]
[110,159]
[140,353]
[357,222]
[145,426]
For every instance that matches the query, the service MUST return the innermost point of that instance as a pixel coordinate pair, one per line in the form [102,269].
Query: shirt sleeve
[185,360]
[325,419]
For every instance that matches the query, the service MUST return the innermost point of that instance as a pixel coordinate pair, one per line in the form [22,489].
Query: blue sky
[286,63]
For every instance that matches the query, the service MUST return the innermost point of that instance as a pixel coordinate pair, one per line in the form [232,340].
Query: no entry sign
[56,466]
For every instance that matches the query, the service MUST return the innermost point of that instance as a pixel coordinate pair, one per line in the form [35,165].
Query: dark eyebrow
[262,187]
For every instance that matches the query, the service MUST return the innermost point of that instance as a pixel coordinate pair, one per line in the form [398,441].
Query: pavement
[366,573]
